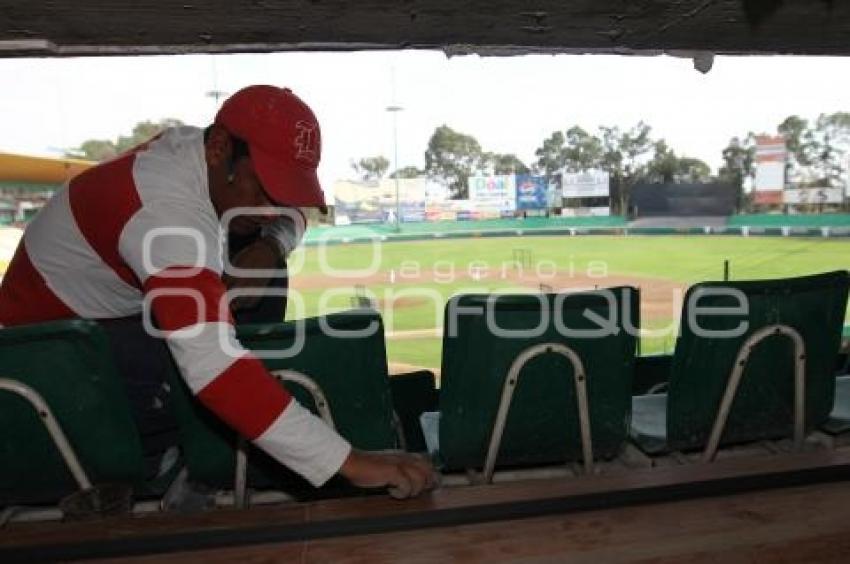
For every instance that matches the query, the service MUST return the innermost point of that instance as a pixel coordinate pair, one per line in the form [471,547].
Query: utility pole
[395,110]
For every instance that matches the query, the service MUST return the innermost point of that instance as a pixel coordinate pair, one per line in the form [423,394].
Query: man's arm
[189,304]
[273,244]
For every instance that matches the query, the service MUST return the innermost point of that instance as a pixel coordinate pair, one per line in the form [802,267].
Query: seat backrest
[68,363]
[349,363]
[542,424]
[814,306]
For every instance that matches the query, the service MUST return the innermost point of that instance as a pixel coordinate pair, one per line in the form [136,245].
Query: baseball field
[409,282]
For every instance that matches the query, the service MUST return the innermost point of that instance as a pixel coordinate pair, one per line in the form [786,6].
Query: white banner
[813,196]
[588,184]
[602,211]
[496,192]
[770,176]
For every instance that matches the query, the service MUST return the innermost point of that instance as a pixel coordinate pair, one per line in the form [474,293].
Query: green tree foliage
[666,166]
[94,150]
[453,157]
[371,168]
[739,158]
[799,140]
[103,149]
[407,172]
[817,151]
[832,132]
[550,156]
[505,164]
[582,150]
[624,157]
[622,153]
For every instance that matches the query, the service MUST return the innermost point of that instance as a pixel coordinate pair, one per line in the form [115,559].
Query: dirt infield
[660,297]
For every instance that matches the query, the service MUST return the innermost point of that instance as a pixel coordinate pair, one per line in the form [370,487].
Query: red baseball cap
[284,141]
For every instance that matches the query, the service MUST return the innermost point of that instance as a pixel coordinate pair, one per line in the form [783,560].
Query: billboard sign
[495,192]
[771,155]
[598,211]
[588,184]
[359,202]
[813,196]
[531,192]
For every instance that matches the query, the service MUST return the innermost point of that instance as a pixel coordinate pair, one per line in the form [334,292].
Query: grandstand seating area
[762,224]
[493,227]
[784,220]
[558,382]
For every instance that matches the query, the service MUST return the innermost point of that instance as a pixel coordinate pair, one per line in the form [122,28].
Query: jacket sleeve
[180,273]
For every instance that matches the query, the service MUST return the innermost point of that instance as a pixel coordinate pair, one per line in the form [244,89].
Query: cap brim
[292,186]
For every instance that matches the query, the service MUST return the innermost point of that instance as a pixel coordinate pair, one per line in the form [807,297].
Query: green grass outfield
[427,273]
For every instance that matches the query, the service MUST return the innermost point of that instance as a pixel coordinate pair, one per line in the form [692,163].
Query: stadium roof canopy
[108,27]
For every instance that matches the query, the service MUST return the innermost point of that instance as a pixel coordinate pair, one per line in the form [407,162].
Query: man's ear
[218,146]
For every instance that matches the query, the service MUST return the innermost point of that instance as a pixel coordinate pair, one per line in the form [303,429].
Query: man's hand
[406,475]
[260,255]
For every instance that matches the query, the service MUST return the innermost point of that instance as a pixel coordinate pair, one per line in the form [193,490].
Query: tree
[816,151]
[505,164]
[103,149]
[666,166]
[798,140]
[739,159]
[832,134]
[582,151]
[550,156]
[371,168]
[453,157]
[94,150]
[407,172]
[623,156]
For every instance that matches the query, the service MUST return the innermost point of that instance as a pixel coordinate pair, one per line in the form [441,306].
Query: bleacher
[546,394]
[480,228]
[785,220]
[812,225]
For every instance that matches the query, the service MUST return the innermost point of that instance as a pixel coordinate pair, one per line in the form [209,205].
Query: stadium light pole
[216,95]
[394,110]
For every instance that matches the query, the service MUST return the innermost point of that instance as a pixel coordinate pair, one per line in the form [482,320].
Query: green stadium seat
[542,424]
[839,417]
[764,406]
[652,372]
[350,369]
[414,393]
[69,366]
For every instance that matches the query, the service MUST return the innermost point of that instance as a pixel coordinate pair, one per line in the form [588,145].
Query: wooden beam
[93,27]
[450,507]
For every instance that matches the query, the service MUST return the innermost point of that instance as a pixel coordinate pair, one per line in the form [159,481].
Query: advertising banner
[599,211]
[767,197]
[358,202]
[588,184]
[531,192]
[771,154]
[493,192]
[554,192]
[813,196]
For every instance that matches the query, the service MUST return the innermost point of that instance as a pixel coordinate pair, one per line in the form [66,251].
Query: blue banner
[531,192]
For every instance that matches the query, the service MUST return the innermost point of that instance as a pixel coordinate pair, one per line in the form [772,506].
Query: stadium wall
[832,225]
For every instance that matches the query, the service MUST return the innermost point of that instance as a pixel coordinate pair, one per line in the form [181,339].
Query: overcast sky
[508,104]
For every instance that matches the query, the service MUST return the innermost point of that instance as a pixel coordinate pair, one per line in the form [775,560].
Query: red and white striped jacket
[142,227]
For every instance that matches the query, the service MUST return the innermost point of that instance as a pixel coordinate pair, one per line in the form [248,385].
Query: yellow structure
[39,170]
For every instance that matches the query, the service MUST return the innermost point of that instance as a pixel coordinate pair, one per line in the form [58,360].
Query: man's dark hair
[240,148]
